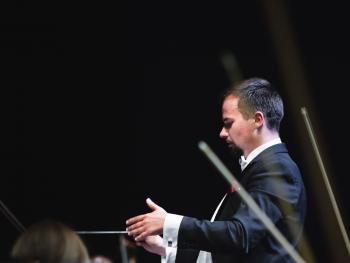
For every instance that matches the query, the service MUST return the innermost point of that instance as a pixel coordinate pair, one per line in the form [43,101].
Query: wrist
[162,251]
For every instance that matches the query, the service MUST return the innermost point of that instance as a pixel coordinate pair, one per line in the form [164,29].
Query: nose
[223,133]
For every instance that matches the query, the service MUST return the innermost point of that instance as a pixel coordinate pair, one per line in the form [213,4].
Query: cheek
[238,133]
[235,133]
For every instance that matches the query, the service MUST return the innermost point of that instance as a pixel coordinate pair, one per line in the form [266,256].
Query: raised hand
[145,225]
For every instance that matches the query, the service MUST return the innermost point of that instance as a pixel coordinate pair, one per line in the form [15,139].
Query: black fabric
[186,255]
[274,181]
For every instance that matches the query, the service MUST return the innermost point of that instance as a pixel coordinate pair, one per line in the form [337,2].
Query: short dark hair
[257,94]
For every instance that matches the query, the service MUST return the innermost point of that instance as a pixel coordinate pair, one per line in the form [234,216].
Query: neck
[260,140]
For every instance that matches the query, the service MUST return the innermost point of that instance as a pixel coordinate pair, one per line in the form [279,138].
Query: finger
[135,219]
[152,204]
[136,232]
[142,236]
[135,226]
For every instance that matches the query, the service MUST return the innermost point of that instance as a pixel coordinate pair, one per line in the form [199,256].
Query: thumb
[151,204]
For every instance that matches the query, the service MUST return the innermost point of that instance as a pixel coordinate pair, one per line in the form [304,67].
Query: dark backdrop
[94,120]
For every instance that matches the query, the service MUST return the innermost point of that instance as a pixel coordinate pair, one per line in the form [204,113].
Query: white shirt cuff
[170,255]
[171,229]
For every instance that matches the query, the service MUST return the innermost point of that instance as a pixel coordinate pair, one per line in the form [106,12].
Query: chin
[236,151]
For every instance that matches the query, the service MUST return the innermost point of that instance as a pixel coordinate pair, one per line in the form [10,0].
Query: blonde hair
[50,241]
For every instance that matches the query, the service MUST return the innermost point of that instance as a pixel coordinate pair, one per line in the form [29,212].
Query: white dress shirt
[172,221]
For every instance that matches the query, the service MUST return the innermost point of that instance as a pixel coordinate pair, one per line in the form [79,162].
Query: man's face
[236,131]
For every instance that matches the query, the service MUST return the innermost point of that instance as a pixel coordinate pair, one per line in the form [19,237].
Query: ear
[259,119]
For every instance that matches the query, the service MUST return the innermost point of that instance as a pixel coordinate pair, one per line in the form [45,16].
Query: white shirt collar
[244,162]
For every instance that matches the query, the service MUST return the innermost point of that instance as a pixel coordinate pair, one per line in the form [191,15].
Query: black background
[102,107]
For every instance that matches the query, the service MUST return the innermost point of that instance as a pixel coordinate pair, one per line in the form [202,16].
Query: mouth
[230,144]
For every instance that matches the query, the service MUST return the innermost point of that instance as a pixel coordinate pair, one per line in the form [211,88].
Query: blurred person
[252,112]
[50,241]
[132,250]
[100,259]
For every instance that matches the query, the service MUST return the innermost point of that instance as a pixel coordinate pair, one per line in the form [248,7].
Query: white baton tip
[203,146]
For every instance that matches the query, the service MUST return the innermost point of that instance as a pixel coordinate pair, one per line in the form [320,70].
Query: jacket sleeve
[186,255]
[272,191]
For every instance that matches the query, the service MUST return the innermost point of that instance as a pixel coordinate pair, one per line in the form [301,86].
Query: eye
[228,124]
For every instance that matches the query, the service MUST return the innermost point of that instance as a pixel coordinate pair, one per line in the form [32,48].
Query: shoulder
[274,173]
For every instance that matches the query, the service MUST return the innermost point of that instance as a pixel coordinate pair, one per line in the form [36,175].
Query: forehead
[230,104]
